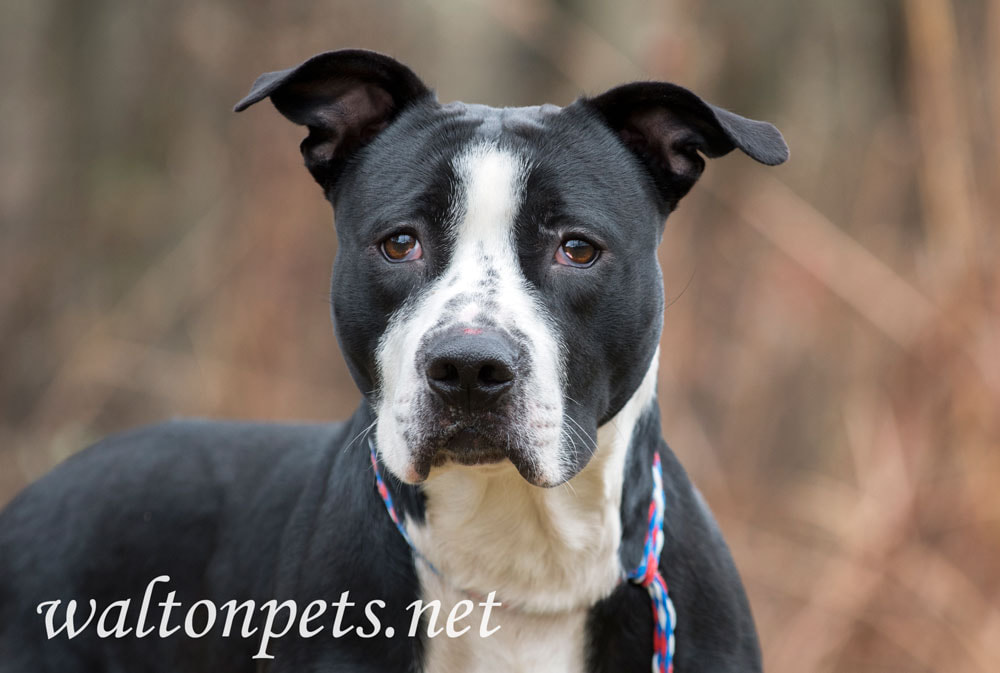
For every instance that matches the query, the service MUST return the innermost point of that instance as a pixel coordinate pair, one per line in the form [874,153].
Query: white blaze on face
[484,271]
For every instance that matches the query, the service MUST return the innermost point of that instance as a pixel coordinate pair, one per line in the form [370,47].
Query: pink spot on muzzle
[472,330]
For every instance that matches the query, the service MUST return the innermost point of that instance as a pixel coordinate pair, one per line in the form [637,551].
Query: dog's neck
[545,550]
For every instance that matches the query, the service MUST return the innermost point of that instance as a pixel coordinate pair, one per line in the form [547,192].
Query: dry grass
[831,363]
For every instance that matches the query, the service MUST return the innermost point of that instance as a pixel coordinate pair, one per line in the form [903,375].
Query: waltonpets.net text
[279,618]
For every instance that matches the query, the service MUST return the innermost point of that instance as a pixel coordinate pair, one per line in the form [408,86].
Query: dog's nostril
[495,374]
[442,371]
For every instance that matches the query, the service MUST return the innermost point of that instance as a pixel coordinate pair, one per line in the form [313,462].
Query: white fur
[549,554]
[491,182]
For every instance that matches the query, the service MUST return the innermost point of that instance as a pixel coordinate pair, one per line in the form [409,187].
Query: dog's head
[496,290]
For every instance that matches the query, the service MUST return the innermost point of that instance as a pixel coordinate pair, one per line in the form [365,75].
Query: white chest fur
[524,642]
[549,554]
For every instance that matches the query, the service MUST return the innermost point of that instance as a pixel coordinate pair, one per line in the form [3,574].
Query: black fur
[262,512]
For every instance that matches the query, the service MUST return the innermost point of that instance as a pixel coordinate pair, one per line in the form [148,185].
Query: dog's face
[496,290]
[503,257]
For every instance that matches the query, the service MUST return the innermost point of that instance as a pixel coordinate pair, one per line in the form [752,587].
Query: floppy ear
[669,129]
[344,97]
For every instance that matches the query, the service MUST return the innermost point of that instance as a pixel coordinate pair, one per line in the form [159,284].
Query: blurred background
[831,353]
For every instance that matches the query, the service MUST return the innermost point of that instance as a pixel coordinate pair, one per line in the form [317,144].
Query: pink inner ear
[354,116]
[668,138]
[360,111]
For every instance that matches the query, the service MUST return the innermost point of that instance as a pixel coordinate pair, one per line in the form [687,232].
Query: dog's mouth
[468,447]
[472,446]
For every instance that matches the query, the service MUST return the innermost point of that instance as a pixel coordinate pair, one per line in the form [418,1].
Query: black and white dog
[497,296]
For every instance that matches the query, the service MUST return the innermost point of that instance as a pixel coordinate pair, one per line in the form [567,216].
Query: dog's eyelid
[579,226]
[588,237]
[394,227]
[382,232]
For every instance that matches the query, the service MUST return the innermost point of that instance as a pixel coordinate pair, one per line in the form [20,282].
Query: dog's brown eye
[576,252]
[402,248]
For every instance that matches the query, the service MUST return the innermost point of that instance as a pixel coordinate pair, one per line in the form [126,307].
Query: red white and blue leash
[647,575]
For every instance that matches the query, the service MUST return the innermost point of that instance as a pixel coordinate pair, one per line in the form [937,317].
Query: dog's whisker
[364,432]
[585,439]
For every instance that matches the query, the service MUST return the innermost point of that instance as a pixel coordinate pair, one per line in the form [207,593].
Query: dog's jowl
[502,499]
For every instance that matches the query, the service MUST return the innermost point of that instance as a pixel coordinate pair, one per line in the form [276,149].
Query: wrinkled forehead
[492,123]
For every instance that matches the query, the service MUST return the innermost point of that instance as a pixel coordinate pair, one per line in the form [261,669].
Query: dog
[502,499]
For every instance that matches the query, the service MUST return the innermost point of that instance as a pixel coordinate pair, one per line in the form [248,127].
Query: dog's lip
[464,446]
[419,470]
[468,447]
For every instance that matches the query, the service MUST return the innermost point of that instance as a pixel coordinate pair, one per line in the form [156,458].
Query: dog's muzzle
[472,376]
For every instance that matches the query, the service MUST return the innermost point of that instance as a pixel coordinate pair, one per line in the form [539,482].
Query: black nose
[471,371]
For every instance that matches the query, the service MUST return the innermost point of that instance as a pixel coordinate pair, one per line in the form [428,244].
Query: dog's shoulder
[156,475]
[176,459]
[165,491]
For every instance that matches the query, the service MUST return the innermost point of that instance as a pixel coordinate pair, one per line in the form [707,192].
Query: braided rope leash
[647,575]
